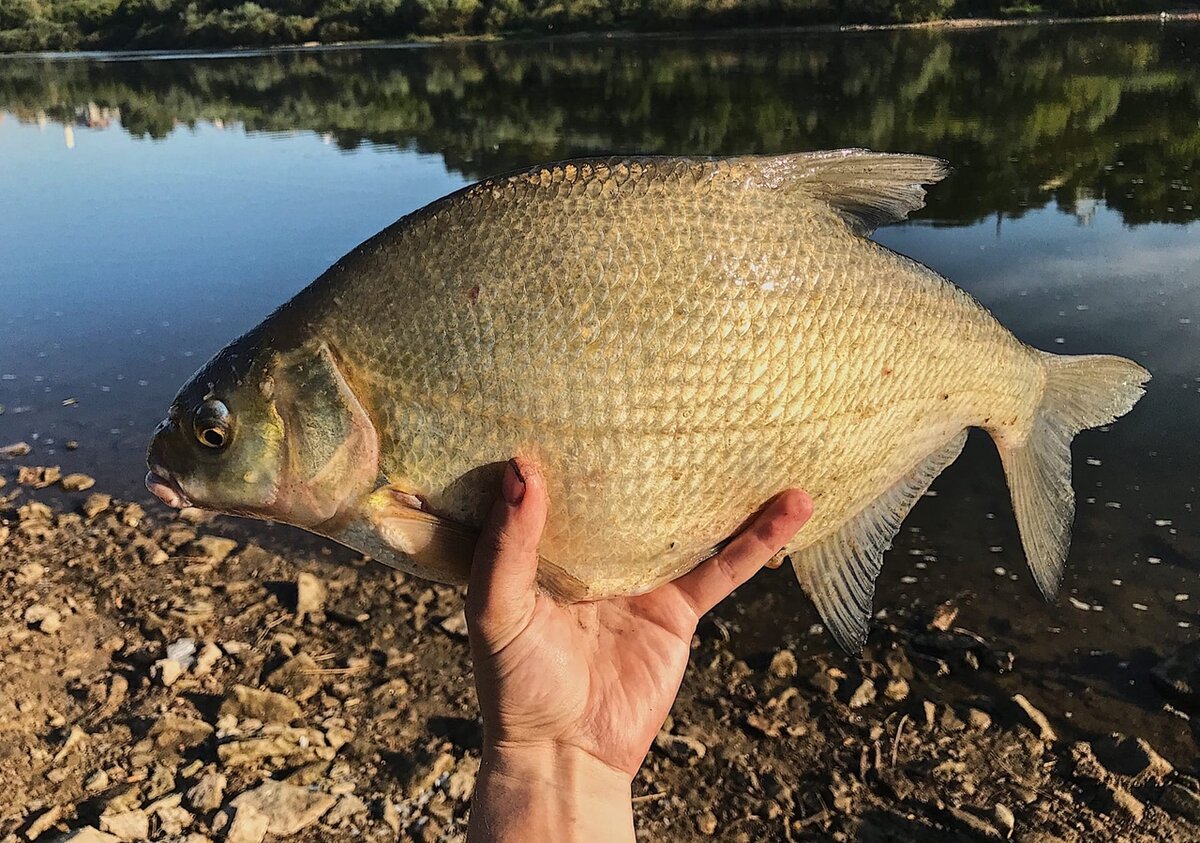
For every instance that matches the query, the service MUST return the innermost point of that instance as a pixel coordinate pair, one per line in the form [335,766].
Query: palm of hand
[597,676]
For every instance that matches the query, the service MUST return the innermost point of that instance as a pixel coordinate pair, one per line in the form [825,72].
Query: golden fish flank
[673,340]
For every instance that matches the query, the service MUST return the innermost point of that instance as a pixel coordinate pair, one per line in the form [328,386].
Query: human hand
[573,695]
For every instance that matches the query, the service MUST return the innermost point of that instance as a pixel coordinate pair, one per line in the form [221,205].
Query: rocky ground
[168,682]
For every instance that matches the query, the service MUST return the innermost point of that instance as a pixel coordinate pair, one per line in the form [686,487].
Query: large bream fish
[673,341]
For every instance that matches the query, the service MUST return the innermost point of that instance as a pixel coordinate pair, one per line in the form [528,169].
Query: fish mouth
[166,488]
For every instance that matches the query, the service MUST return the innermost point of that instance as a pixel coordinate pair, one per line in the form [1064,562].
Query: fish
[672,341]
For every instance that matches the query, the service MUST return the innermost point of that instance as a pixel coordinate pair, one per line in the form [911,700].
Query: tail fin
[1080,392]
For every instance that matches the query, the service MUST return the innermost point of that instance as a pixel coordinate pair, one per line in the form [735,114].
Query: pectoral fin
[392,526]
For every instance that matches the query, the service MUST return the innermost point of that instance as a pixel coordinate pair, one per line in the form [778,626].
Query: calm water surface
[150,210]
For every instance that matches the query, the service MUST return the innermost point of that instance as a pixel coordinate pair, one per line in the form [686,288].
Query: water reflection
[1074,115]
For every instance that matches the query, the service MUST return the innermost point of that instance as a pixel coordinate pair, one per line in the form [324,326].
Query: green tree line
[1028,115]
[32,25]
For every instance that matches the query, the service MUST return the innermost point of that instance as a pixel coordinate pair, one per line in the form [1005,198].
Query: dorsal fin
[867,189]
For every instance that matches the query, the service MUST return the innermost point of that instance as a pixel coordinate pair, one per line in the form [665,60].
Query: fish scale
[673,341]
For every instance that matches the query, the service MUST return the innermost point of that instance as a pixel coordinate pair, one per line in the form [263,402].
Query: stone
[421,777]
[208,792]
[78,482]
[95,504]
[298,677]
[296,745]
[461,783]
[681,749]
[706,823]
[783,665]
[249,825]
[348,809]
[30,573]
[896,690]
[214,548]
[128,825]
[208,656]
[97,782]
[310,595]
[1044,729]
[268,706]
[455,626]
[44,618]
[863,695]
[42,824]
[1004,819]
[90,834]
[288,808]
[177,733]
[166,671]
[978,720]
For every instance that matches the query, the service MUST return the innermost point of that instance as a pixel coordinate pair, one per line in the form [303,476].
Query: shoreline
[165,672]
[949,24]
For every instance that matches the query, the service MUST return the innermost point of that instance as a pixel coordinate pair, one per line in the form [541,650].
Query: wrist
[551,790]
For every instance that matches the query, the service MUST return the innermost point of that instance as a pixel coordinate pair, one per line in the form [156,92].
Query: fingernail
[513,484]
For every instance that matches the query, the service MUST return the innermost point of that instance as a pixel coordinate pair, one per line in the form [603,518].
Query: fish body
[673,341]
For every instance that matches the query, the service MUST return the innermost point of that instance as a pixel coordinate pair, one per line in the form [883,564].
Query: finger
[711,581]
[501,591]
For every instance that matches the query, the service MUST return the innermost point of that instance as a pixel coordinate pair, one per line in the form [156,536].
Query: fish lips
[166,488]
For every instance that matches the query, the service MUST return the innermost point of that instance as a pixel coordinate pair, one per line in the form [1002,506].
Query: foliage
[124,24]
[1030,115]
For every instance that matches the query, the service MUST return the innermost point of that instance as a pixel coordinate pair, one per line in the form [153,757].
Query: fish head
[263,433]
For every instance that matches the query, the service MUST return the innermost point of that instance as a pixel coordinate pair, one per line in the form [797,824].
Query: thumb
[502,592]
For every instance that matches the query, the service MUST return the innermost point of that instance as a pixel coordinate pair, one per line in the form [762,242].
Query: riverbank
[177,26]
[171,679]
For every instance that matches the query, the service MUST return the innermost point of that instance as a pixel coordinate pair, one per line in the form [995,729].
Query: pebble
[978,720]
[783,665]
[298,677]
[706,823]
[96,782]
[90,834]
[95,504]
[214,548]
[208,656]
[207,793]
[128,825]
[15,450]
[249,825]
[268,706]
[1045,730]
[30,572]
[310,595]
[824,681]
[863,695]
[78,482]
[44,618]
[461,783]
[455,626]
[43,822]
[681,749]
[1004,818]
[896,690]
[166,671]
[288,808]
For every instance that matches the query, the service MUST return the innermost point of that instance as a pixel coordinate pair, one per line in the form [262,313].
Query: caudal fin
[1080,392]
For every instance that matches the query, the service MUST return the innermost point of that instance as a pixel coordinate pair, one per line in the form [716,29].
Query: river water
[153,207]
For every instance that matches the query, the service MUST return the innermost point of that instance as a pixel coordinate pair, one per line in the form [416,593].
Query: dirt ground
[169,680]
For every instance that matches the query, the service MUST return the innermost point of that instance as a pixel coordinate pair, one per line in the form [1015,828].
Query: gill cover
[332,450]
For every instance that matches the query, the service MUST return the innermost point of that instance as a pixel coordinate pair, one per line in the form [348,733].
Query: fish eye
[212,424]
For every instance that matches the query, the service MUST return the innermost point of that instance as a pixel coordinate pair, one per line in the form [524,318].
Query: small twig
[896,739]
[648,797]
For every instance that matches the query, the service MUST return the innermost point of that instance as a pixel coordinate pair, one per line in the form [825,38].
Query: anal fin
[839,572]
